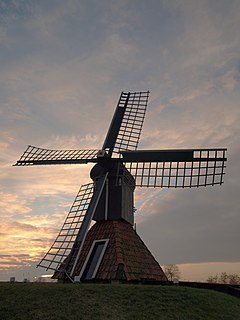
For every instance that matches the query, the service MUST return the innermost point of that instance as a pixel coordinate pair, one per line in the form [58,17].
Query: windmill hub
[97,171]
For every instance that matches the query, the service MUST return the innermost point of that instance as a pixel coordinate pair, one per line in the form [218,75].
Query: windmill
[111,249]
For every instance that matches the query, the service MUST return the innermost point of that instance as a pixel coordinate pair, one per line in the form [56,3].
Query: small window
[93,259]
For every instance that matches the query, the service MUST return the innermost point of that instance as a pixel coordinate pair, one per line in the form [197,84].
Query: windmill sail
[39,156]
[63,253]
[125,129]
[63,244]
[176,168]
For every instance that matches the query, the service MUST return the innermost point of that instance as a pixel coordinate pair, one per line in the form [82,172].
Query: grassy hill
[32,301]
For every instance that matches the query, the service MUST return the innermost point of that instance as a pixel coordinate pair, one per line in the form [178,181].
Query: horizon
[64,65]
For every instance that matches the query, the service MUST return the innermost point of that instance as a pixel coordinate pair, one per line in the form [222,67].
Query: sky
[63,66]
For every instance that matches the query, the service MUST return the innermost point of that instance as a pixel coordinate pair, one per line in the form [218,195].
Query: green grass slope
[61,301]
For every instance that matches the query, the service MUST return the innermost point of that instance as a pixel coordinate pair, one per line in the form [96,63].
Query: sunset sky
[63,66]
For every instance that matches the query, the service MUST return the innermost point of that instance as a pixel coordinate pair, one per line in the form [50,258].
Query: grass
[33,301]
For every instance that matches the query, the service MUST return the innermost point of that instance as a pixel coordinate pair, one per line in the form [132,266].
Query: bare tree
[224,278]
[212,279]
[172,272]
[233,279]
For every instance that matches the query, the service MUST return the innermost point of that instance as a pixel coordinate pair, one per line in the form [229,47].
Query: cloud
[16,261]
[24,243]
[189,225]
[205,90]
[229,79]
[62,69]
[10,203]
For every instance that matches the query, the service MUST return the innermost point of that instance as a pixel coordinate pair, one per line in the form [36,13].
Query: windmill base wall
[126,257]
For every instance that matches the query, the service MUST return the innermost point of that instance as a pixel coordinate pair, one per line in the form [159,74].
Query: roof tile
[124,248]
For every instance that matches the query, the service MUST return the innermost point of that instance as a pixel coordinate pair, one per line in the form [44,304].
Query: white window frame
[99,260]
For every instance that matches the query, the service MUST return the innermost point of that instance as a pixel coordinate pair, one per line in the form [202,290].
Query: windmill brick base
[126,257]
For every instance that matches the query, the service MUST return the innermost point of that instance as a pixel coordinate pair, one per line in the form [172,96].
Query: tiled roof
[126,256]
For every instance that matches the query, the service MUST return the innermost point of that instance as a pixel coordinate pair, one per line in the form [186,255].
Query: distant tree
[233,279]
[212,279]
[224,278]
[172,272]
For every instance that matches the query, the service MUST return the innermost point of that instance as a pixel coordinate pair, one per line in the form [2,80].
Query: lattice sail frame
[206,168]
[132,122]
[37,156]
[62,246]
